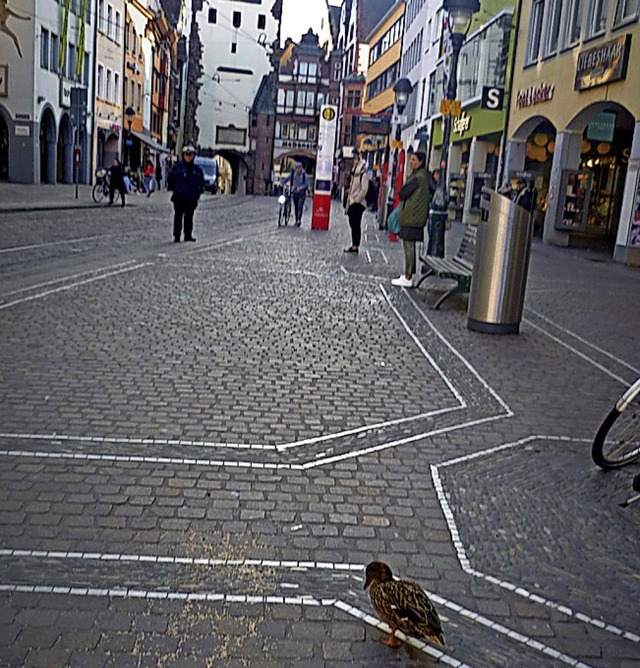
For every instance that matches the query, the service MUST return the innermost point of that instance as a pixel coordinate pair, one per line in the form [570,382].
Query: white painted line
[16,249]
[423,350]
[582,340]
[504,584]
[136,441]
[368,256]
[466,363]
[577,352]
[67,278]
[64,288]
[177,461]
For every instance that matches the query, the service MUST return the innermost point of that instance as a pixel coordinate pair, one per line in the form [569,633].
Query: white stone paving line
[64,288]
[67,278]
[470,615]
[602,351]
[504,584]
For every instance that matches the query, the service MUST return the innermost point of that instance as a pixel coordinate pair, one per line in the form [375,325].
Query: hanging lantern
[586,146]
[540,139]
[603,148]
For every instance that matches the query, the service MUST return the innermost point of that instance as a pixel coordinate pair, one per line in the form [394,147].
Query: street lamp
[402,89]
[460,12]
[129,113]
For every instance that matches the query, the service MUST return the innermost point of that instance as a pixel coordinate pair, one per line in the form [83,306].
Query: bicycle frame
[628,396]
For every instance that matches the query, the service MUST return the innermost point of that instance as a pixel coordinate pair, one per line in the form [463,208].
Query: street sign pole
[324,167]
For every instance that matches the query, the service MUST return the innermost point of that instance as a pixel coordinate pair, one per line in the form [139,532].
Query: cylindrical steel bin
[500,267]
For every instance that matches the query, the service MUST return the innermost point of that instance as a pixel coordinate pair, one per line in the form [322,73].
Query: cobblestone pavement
[203,444]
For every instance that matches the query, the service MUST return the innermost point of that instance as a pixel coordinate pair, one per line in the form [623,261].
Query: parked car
[210,168]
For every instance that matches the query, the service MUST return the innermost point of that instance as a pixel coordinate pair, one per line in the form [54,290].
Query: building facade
[574,123]
[235,40]
[46,56]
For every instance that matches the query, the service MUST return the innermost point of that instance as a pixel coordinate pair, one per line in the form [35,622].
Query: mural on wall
[5,14]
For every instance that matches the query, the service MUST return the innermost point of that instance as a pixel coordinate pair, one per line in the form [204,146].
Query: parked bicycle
[284,206]
[617,442]
[100,190]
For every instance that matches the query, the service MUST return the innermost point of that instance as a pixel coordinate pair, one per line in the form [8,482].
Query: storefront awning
[150,141]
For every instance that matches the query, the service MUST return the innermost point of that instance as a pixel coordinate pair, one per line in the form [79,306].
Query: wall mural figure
[5,15]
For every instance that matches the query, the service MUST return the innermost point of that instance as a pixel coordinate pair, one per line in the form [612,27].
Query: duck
[403,605]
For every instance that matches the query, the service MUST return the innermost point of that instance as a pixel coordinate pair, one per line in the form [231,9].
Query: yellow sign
[397,145]
[450,107]
[329,114]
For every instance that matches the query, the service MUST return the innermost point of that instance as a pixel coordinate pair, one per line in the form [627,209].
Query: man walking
[186,180]
[299,186]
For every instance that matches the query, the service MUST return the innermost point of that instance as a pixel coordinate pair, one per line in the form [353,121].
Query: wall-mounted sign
[65,93]
[4,80]
[603,64]
[22,131]
[462,124]
[602,127]
[371,125]
[450,107]
[634,231]
[534,95]
[492,98]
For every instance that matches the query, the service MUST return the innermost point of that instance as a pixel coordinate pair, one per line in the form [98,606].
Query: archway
[233,173]
[4,149]
[65,151]
[47,147]
[286,162]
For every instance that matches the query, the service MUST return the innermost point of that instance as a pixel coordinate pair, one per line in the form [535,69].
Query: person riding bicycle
[299,182]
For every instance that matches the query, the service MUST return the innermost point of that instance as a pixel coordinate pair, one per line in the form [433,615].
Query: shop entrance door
[4,149]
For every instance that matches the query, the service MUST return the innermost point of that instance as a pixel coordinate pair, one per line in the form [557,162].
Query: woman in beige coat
[357,200]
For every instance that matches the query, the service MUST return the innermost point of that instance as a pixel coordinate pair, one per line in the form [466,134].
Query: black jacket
[187,182]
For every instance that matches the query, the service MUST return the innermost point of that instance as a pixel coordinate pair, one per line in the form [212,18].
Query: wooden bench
[459,267]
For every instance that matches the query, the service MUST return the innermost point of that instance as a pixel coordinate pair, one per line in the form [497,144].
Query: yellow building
[574,121]
[385,51]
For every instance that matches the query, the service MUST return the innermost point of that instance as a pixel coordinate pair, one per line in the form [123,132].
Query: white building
[236,39]
[43,56]
[420,53]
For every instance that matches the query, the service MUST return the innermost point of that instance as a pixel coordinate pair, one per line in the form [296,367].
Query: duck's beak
[367,582]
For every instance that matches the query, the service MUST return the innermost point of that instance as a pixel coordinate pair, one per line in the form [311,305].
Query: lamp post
[460,12]
[129,113]
[401,90]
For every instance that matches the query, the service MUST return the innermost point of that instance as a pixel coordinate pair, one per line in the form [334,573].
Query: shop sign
[602,127]
[4,80]
[22,131]
[462,124]
[65,93]
[450,107]
[492,98]
[603,64]
[371,125]
[534,95]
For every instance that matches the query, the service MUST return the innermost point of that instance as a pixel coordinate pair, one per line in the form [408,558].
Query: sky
[300,15]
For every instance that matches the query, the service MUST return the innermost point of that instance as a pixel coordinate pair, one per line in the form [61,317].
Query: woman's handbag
[393,221]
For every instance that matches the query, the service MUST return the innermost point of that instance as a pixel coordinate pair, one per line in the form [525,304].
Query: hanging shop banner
[81,40]
[324,167]
[634,232]
[63,38]
[603,64]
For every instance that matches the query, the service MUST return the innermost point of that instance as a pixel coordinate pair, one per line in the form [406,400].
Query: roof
[371,11]
[263,101]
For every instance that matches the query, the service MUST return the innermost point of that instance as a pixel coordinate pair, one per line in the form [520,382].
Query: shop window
[535,31]
[626,10]
[552,27]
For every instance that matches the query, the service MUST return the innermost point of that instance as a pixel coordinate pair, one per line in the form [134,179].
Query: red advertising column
[324,168]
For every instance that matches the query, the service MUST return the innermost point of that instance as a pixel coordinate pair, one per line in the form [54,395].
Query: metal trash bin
[500,268]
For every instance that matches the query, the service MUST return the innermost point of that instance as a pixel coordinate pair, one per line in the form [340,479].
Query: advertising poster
[634,234]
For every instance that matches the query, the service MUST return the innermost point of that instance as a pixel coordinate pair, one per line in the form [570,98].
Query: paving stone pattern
[203,444]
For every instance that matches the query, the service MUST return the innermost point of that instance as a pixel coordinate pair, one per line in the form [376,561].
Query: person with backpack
[357,200]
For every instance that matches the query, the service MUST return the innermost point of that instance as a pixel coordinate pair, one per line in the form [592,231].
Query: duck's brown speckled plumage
[403,605]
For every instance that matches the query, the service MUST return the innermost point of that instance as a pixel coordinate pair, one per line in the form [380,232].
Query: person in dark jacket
[186,180]
[116,181]
[415,197]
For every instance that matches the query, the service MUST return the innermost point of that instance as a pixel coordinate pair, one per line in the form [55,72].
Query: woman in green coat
[414,196]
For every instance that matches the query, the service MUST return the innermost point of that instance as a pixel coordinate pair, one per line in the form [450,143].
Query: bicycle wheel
[280,215]
[287,212]
[618,440]
[97,193]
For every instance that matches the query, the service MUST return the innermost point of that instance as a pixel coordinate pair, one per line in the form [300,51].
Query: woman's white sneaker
[402,282]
